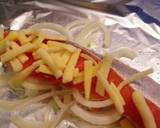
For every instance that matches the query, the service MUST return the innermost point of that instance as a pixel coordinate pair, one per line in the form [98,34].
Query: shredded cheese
[44,69]
[104,69]
[22,57]
[22,38]
[18,78]
[15,52]
[76,72]
[144,110]
[59,62]
[88,71]
[63,45]
[112,93]
[11,36]
[69,70]
[136,76]
[79,78]
[38,40]
[47,59]
[56,37]
[65,57]
[16,65]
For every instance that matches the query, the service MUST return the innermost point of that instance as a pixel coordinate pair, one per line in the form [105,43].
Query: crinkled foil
[127,30]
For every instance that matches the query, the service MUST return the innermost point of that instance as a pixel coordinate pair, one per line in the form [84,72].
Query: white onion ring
[55,27]
[91,104]
[98,119]
[76,23]
[124,52]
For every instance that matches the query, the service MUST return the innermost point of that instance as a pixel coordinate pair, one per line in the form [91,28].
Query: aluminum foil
[127,30]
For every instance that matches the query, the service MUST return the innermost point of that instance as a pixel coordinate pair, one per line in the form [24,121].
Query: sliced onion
[61,113]
[87,30]
[76,23]
[134,77]
[83,124]
[91,104]
[124,52]
[98,119]
[36,86]
[24,123]
[107,35]
[8,105]
[33,100]
[54,27]
[85,35]
[58,101]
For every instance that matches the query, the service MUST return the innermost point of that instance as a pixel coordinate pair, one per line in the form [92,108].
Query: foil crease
[127,30]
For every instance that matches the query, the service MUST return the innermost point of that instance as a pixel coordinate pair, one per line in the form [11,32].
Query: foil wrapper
[127,30]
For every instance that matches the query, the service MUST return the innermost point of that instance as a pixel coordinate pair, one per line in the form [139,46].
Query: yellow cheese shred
[15,52]
[16,65]
[88,71]
[104,68]
[11,36]
[18,78]
[69,70]
[59,62]
[144,110]
[63,45]
[56,37]
[47,59]
[44,69]
[22,57]
[136,76]
[111,92]
[22,38]
[76,72]
[38,41]
[65,57]
[79,78]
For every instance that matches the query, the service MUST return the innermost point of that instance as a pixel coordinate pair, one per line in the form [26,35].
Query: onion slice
[54,27]
[76,23]
[98,119]
[91,104]
[124,52]
[63,110]
[33,100]
[24,123]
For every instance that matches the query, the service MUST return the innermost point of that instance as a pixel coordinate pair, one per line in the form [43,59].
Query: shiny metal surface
[127,30]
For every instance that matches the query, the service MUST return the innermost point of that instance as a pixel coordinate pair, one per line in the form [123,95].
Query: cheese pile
[50,56]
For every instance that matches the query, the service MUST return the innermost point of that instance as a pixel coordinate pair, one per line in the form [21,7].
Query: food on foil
[44,62]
